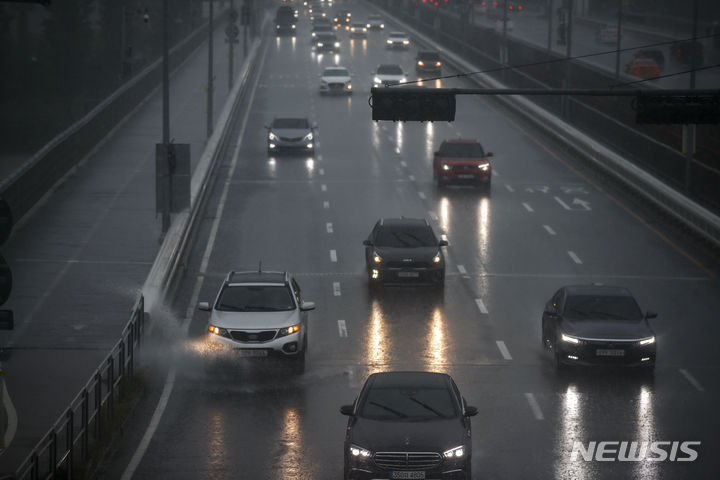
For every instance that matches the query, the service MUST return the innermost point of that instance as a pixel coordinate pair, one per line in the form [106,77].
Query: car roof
[273,277]
[461,140]
[593,289]
[428,53]
[409,379]
[402,221]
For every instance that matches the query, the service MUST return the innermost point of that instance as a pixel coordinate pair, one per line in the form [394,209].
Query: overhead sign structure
[680,109]
[412,104]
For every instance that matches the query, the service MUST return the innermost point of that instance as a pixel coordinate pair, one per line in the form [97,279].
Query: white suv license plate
[604,352]
[412,475]
[251,352]
[410,275]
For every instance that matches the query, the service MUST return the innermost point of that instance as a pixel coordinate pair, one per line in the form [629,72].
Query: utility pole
[166,117]
[231,41]
[619,40]
[689,131]
[210,73]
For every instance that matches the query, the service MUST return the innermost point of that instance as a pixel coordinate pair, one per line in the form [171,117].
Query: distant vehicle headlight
[377,80]
[368,25]
[308,137]
[218,331]
[446,167]
[437,258]
[293,27]
[390,41]
[484,166]
[349,86]
[421,63]
[337,44]
[406,42]
[569,339]
[319,44]
[647,341]
[403,80]
[272,136]
[456,452]
[377,258]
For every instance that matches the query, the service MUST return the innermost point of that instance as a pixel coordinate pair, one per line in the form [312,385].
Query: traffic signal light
[412,104]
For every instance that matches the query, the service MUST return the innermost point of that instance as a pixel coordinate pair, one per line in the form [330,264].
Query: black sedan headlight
[359,453]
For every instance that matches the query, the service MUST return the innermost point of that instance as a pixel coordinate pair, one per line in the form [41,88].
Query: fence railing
[67,445]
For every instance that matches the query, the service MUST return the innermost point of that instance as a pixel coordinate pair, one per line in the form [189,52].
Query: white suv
[259,314]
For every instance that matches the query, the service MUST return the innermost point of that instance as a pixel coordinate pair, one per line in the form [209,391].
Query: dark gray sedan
[598,325]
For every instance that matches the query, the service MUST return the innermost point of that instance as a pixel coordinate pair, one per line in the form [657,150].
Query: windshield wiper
[259,308]
[426,406]
[399,414]
[609,315]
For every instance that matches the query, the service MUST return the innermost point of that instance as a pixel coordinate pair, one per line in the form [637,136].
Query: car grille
[336,86]
[407,265]
[253,336]
[291,139]
[408,460]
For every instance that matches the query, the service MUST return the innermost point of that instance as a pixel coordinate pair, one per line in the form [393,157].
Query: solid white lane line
[323,188]
[433,216]
[574,257]
[329,227]
[333,256]
[549,230]
[509,188]
[528,207]
[342,329]
[534,406]
[503,350]
[693,381]
[326,204]
[421,195]
[411,177]
[154,422]
[461,269]
[481,305]
[336,289]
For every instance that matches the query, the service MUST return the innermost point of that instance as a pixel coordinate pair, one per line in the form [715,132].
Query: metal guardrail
[84,424]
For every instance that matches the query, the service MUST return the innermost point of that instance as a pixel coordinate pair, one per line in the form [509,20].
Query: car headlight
[337,44]
[288,330]
[406,42]
[272,136]
[403,80]
[359,452]
[569,339]
[320,44]
[349,86]
[377,258]
[647,341]
[308,137]
[456,452]
[484,166]
[368,25]
[437,258]
[218,331]
[377,80]
[382,25]
[421,63]
[313,34]
[390,42]
[446,167]
[293,27]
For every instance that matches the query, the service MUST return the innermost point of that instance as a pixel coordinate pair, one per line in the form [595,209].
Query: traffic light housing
[412,104]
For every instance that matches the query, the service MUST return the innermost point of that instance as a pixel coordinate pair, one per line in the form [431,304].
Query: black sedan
[598,325]
[408,425]
[402,250]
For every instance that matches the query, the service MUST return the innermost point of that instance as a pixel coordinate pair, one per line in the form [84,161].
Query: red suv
[462,161]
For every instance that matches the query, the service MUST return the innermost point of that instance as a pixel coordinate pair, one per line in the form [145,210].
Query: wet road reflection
[435,357]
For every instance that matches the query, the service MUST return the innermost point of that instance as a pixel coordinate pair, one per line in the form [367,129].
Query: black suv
[428,62]
[400,250]
[408,425]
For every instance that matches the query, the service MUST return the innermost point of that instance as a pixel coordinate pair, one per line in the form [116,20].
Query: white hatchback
[336,80]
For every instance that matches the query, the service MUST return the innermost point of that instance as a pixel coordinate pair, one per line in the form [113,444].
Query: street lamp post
[166,118]
[210,73]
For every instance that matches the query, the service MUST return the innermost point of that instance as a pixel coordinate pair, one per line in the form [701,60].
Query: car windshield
[375,17]
[336,72]
[616,307]
[389,70]
[406,236]
[428,56]
[327,37]
[291,123]
[460,150]
[397,35]
[408,403]
[255,298]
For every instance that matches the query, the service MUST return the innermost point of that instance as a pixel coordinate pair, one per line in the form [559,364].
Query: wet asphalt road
[548,221]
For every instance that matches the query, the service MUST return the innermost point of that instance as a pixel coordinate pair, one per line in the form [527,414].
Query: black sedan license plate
[411,475]
[410,275]
[609,352]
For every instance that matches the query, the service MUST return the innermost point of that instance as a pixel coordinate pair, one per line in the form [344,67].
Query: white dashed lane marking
[326,204]
[342,329]
[549,229]
[329,227]
[333,256]
[693,381]
[503,350]
[481,306]
[527,207]
[461,269]
[534,406]
[336,289]
[574,257]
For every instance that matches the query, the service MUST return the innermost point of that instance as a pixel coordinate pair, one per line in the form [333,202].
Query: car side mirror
[650,314]
[443,243]
[550,309]
[367,243]
[437,152]
[347,410]
[489,154]
[305,306]
[471,411]
[204,306]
